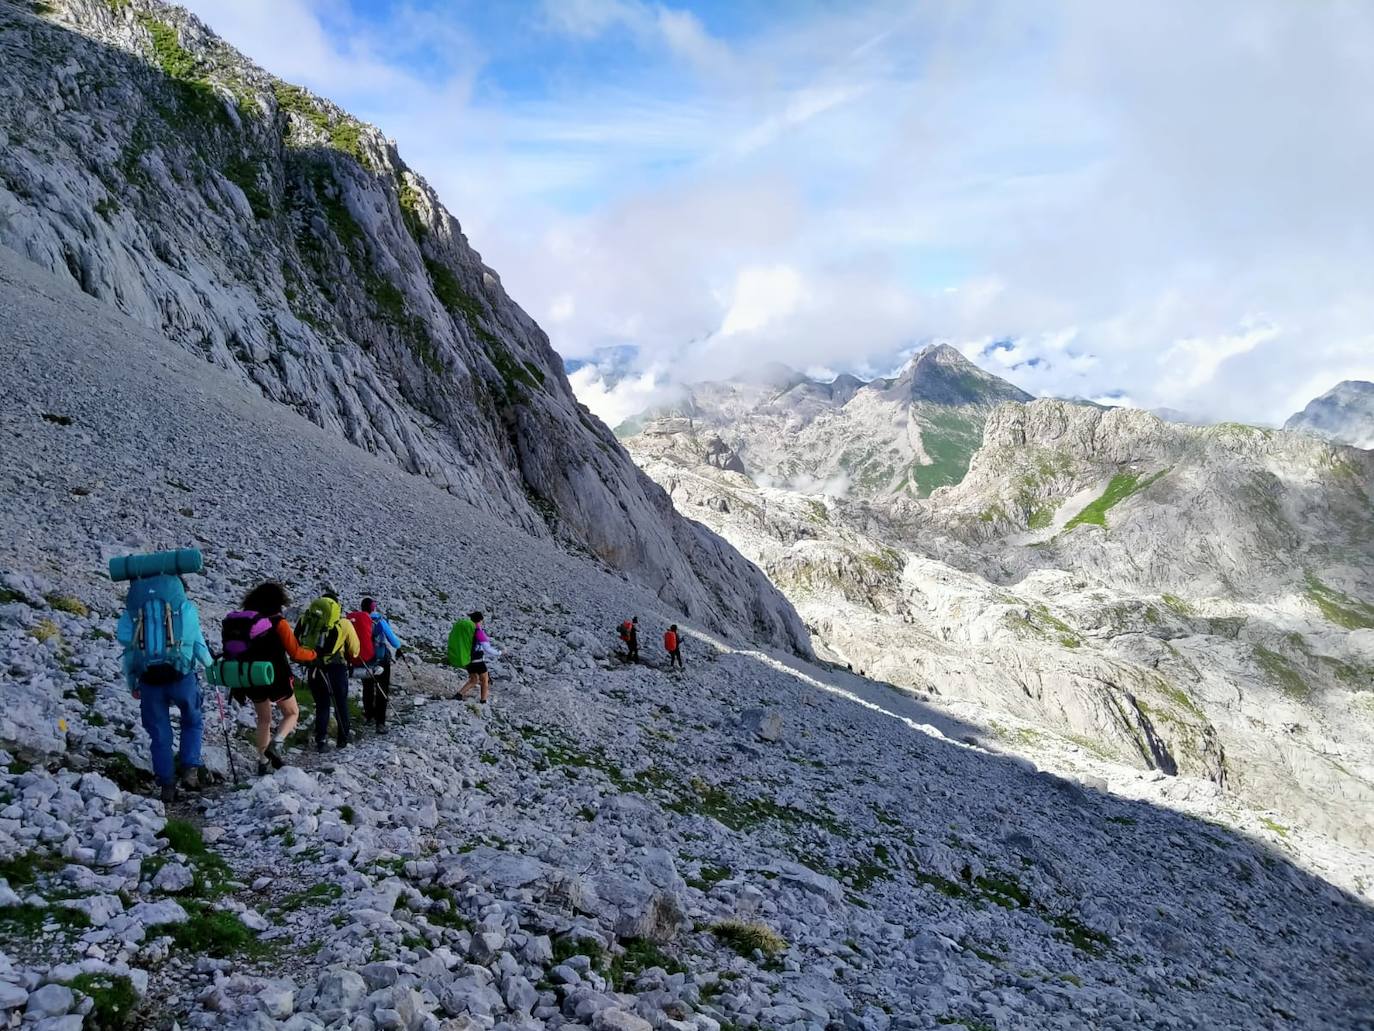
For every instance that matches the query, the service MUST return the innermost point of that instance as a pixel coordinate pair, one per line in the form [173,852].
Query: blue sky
[1157,201]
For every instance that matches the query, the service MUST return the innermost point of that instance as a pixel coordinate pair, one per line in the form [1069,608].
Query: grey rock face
[272,234]
[1343,415]
[764,724]
[1166,596]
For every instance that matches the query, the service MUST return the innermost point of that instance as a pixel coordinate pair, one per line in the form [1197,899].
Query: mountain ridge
[911,433]
[1189,599]
[279,238]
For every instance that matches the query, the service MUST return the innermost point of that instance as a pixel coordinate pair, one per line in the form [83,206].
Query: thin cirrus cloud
[1156,201]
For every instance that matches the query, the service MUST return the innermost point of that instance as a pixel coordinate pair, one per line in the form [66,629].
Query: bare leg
[290,713]
[472,682]
[486,686]
[263,710]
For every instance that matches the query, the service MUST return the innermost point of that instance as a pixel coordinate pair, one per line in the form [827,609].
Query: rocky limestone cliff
[1102,586]
[1343,415]
[1227,510]
[271,233]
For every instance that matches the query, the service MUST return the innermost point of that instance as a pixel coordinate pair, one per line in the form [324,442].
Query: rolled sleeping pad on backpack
[237,675]
[156,563]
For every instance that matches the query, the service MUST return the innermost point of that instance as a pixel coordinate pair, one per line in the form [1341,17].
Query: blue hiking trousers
[155,705]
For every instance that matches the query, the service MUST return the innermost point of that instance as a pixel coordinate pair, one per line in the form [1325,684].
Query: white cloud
[763,295]
[1118,188]
[615,401]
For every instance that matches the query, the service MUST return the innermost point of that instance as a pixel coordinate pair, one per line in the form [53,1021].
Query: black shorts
[268,693]
[477,666]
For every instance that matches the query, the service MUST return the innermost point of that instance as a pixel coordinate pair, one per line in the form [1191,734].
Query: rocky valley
[233,319]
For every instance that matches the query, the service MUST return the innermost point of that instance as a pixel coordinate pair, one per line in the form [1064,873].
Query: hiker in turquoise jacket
[160,671]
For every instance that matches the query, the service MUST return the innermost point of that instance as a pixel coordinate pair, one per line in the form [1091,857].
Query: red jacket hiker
[674,647]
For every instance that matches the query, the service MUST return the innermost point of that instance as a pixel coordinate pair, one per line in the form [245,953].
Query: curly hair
[267,599]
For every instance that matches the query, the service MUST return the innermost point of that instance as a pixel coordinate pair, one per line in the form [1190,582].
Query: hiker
[468,648]
[323,630]
[259,632]
[629,635]
[375,658]
[160,631]
[672,643]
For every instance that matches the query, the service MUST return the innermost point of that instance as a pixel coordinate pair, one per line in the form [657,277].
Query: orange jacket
[670,641]
[292,646]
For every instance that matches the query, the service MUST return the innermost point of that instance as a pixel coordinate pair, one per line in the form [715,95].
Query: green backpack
[319,631]
[460,640]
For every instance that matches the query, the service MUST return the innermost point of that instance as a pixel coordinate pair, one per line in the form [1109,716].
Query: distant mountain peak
[1343,415]
[940,374]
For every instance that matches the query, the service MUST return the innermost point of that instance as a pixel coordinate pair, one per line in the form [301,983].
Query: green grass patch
[26,867]
[1041,516]
[444,911]
[1277,828]
[114,1000]
[73,606]
[1121,487]
[344,133]
[316,895]
[45,630]
[184,69]
[408,198]
[23,923]
[745,937]
[949,441]
[246,175]
[567,947]
[174,59]
[887,562]
[216,933]
[1078,934]
[641,954]
[709,877]
[1339,608]
[1003,890]
[211,874]
[1282,673]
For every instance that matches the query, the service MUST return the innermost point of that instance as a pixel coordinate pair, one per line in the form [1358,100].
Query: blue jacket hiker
[377,679]
[163,644]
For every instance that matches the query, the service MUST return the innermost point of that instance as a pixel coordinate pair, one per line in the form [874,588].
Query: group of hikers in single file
[164,649]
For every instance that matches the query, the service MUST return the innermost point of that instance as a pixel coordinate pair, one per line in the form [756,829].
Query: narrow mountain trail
[605,846]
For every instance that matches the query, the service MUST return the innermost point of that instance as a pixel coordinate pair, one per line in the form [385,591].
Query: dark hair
[635,620]
[673,627]
[331,594]
[476,617]
[368,605]
[267,599]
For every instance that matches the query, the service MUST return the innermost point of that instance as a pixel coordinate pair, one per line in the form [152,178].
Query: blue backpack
[153,629]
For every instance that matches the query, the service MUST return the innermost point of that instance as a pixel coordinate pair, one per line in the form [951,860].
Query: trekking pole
[224,725]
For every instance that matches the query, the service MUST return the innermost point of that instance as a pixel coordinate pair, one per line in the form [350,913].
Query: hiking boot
[381,728]
[193,778]
[169,793]
[321,746]
[263,768]
[273,756]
